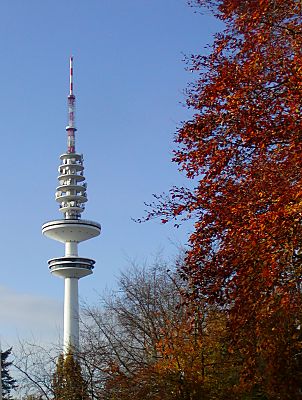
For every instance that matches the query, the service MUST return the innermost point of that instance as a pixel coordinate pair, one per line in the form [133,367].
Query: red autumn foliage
[243,147]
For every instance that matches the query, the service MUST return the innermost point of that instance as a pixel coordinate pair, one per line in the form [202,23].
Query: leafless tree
[120,334]
[35,365]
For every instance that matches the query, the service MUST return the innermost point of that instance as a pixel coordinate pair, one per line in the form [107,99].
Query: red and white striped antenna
[71,75]
[71,129]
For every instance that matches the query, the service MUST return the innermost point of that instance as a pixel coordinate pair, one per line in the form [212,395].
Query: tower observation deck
[71,229]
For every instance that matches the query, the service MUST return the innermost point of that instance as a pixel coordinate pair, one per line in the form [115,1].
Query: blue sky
[129,82]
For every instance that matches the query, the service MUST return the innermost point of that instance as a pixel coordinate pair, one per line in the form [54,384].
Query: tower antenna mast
[70,128]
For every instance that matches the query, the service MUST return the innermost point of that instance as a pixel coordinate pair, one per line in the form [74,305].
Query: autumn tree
[194,354]
[243,150]
[143,342]
[68,381]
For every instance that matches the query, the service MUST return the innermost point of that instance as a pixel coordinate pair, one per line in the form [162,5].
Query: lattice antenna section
[71,129]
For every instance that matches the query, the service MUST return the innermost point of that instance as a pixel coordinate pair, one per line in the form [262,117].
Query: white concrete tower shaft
[72,230]
[71,314]
[71,303]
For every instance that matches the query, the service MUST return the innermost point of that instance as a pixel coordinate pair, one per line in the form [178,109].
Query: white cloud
[26,316]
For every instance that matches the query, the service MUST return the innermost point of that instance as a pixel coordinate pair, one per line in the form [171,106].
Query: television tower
[71,230]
